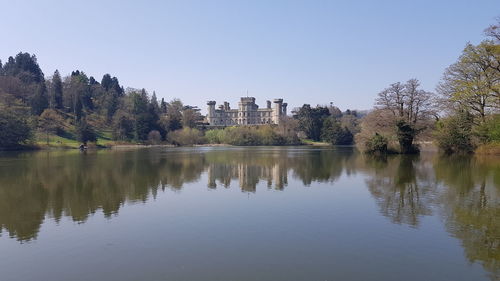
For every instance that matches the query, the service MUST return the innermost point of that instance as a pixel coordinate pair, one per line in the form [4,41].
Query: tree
[50,122]
[333,133]
[84,132]
[123,126]
[311,120]
[14,129]
[173,118]
[473,82]
[190,116]
[454,134]
[493,30]
[24,66]
[163,106]
[154,137]
[410,109]
[57,90]
[141,113]
[39,101]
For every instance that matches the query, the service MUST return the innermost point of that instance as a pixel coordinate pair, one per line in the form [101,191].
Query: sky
[313,52]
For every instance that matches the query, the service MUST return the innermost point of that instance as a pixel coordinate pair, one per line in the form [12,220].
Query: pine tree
[39,101]
[57,90]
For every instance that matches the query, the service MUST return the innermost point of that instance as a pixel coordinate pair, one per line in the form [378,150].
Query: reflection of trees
[320,165]
[62,184]
[401,188]
[471,206]
[57,184]
[465,190]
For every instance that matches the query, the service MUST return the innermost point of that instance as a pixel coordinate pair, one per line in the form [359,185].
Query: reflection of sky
[200,234]
[322,231]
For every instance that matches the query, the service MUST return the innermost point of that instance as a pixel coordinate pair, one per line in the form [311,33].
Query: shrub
[252,135]
[186,136]
[489,131]
[376,144]
[154,137]
[215,136]
[334,133]
[454,134]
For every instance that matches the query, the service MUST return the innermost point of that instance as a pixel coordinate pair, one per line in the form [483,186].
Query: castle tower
[277,110]
[211,112]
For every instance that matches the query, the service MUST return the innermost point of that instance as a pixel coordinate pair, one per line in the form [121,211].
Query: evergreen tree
[24,66]
[57,90]
[78,109]
[39,101]
[163,106]
[106,81]
[84,132]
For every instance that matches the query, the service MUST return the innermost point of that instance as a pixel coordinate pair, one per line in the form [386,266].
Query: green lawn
[104,138]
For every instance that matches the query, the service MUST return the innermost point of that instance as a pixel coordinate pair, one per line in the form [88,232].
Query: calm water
[248,214]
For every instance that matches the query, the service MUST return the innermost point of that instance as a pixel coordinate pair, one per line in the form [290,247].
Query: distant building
[247,113]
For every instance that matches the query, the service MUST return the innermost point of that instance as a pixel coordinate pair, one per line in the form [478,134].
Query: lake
[248,213]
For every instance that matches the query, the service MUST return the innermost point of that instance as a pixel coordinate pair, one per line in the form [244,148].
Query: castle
[247,113]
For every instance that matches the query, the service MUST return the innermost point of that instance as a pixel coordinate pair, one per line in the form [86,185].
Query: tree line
[80,107]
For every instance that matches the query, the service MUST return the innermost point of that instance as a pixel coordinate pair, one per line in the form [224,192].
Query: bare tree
[493,30]
[411,109]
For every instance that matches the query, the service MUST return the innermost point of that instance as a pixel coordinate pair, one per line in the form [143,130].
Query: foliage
[489,131]
[251,135]
[406,134]
[154,137]
[123,126]
[215,136]
[470,92]
[454,134]
[376,144]
[185,136]
[39,101]
[473,82]
[50,122]
[84,132]
[311,120]
[14,129]
[332,132]
[57,91]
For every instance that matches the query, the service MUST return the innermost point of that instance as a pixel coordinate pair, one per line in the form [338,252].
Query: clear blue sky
[304,51]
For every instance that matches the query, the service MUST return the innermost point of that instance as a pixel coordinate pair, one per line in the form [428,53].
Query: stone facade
[247,113]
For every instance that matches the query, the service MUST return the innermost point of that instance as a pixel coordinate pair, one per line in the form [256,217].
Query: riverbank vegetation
[462,117]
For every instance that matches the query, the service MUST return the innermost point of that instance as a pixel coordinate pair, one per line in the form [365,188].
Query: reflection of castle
[248,113]
[248,175]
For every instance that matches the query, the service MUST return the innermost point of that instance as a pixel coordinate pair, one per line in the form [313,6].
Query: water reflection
[463,191]
[402,186]
[471,206]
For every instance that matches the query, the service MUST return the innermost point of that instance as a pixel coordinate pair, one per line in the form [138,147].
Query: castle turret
[211,112]
[277,110]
